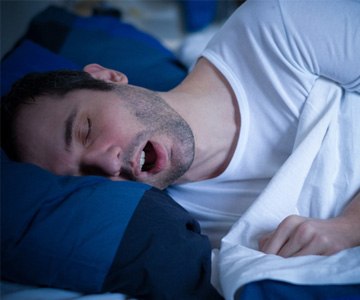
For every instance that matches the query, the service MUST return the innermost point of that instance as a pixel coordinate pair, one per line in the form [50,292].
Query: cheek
[116,134]
[120,123]
[116,125]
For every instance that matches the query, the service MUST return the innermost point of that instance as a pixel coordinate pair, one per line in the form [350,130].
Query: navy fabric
[277,290]
[199,14]
[42,25]
[113,28]
[145,67]
[110,42]
[29,57]
[60,231]
[163,254]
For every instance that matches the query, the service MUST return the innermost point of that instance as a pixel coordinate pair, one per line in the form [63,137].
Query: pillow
[92,235]
[110,42]
[199,14]
[61,231]
[30,57]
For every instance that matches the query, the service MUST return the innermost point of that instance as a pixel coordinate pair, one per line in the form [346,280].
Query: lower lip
[161,158]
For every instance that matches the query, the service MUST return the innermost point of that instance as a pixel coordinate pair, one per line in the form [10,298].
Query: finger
[305,239]
[311,248]
[263,240]
[296,243]
[281,235]
[274,242]
[319,245]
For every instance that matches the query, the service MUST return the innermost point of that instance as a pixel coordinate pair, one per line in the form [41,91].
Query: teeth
[142,159]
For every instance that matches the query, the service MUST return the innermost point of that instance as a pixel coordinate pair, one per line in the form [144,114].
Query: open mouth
[148,158]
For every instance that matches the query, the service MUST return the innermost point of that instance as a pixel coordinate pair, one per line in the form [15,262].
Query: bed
[90,238]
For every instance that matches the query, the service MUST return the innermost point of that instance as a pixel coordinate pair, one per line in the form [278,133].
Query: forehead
[45,109]
[39,125]
[49,106]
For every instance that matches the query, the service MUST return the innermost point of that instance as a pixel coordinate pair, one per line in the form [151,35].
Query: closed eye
[89,128]
[88,131]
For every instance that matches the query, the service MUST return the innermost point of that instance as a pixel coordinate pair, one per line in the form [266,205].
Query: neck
[206,101]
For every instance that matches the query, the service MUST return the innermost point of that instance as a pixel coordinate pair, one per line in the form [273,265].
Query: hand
[296,236]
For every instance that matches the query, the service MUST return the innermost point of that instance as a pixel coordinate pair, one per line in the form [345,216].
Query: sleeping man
[274,90]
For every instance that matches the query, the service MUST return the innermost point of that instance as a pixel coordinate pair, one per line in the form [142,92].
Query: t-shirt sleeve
[324,38]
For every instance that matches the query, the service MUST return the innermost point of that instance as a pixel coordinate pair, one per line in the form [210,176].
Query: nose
[104,162]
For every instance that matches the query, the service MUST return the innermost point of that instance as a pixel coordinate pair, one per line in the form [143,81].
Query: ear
[102,73]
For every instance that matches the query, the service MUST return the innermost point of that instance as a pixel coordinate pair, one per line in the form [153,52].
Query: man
[220,136]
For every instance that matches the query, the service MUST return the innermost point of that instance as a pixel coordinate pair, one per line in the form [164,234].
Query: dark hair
[30,87]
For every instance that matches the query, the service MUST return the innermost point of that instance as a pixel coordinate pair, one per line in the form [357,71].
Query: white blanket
[318,180]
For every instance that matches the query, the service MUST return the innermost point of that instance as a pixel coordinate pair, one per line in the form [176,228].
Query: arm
[297,236]
[322,42]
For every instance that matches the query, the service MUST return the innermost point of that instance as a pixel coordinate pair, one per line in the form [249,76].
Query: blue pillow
[61,231]
[30,57]
[93,235]
[110,42]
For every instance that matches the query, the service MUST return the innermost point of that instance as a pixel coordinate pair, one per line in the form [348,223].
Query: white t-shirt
[271,53]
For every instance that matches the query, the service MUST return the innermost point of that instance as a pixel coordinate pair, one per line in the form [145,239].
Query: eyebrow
[69,125]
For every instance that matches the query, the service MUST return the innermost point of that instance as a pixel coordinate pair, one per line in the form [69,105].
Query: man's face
[101,133]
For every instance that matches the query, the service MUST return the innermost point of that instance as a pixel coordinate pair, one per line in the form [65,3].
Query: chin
[163,182]
[158,185]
